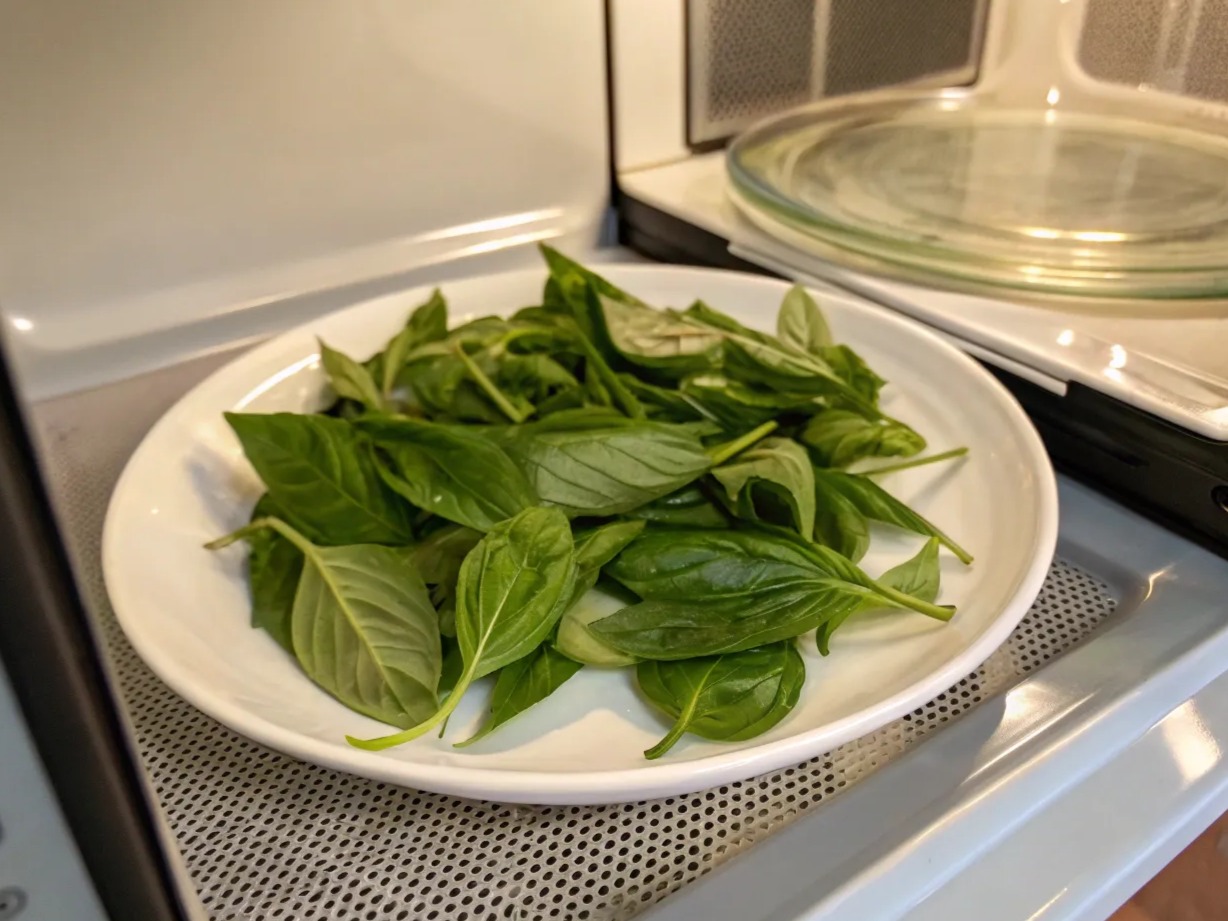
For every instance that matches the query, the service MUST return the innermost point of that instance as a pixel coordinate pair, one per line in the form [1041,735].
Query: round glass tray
[1043,200]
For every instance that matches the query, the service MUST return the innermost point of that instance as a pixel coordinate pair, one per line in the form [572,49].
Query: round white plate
[186,610]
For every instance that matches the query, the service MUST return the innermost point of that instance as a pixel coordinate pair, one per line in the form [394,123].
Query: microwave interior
[181,183]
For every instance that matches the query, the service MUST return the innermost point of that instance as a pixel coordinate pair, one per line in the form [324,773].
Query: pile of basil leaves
[589,482]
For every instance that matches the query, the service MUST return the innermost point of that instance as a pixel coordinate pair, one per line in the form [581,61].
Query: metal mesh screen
[1173,45]
[265,837]
[748,60]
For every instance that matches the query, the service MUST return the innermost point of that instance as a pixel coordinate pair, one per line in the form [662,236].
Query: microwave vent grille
[1175,46]
[746,61]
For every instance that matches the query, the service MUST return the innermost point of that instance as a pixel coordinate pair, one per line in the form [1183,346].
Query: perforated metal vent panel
[265,837]
[1172,45]
[746,61]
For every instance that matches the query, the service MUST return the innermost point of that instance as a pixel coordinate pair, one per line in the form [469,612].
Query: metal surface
[747,61]
[177,178]
[264,836]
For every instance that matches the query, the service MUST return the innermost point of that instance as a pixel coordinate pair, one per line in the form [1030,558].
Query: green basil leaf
[322,474]
[595,547]
[452,471]
[852,369]
[777,465]
[273,568]
[513,588]
[438,559]
[711,592]
[428,323]
[662,340]
[800,322]
[689,507]
[727,698]
[349,379]
[702,565]
[362,626]
[522,684]
[577,642]
[533,377]
[839,523]
[738,406]
[838,437]
[603,465]
[875,503]
[918,576]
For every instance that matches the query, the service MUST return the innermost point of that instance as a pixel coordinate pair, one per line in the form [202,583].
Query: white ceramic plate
[186,610]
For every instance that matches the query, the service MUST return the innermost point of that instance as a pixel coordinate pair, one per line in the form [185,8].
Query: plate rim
[653,779]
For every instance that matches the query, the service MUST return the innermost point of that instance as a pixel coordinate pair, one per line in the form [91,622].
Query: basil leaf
[273,567]
[875,503]
[522,684]
[693,565]
[711,592]
[839,523]
[594,547]
[533,377]
[727,698]
[777,465]
[838,437]
[603,465]
[661,340]
[918,577]
[322,475]
[451,471]
[688,507]
[577,642]
[738,406]
[513,588]
[349,379]
[571,283]
[362,626]
[438,559]
[800,322]
[428,323]
[853,370]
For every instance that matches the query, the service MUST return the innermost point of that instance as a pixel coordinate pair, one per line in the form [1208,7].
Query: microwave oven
[180,182]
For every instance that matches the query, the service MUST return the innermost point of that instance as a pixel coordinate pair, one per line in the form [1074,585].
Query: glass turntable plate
[1038,199]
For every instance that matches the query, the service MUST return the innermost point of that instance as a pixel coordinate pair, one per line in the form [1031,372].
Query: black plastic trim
[52,661]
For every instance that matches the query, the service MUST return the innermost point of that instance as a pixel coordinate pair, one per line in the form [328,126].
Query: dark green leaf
[349,379]
[273,566]
[452,471]
[839,524]
[918,576]
[711,592]
[852,369]
[428,323]
[595,547]
[577,642]
[438,559]
[838,437]
[363,627]
[691,507]
[513,588]
[777,465]
[662,340]
[729,697]
[875,503]
[596,464]
[322,474]
[800,322]
[738,406]
[522,684]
